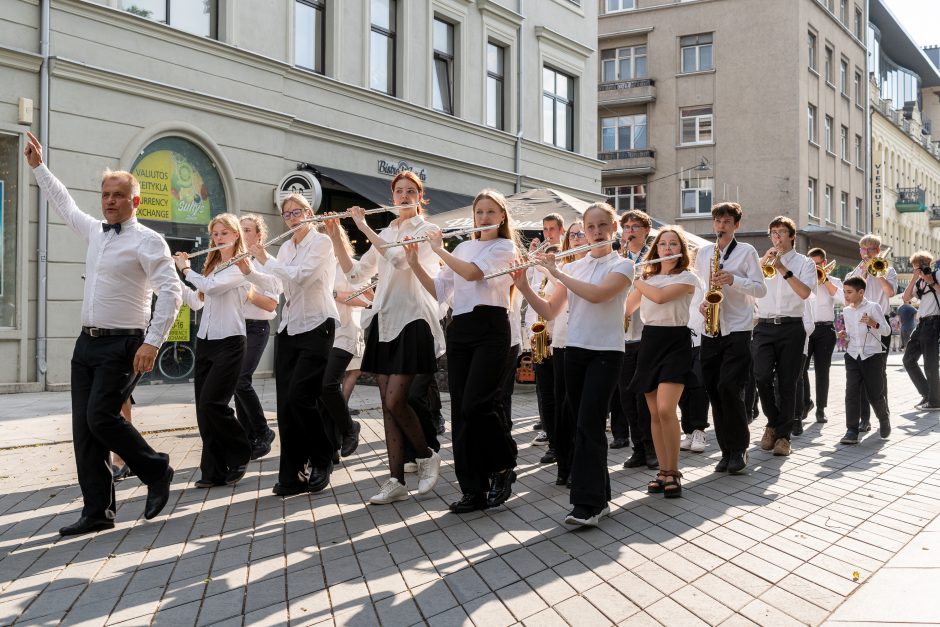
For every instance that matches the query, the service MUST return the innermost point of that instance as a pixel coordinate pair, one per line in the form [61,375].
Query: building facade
[215,104]
[756,102]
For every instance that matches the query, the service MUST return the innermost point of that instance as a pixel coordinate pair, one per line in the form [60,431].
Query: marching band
[654,326]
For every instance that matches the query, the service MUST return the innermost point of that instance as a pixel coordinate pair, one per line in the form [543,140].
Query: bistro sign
[390,168]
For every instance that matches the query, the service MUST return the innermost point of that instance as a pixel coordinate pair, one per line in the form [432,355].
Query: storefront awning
[378,190]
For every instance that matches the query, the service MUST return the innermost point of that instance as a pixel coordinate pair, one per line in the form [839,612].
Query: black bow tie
[107,227]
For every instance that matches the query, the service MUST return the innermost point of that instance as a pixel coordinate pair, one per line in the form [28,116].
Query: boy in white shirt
[864,358]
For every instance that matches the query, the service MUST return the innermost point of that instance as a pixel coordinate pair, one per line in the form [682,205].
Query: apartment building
[219,105]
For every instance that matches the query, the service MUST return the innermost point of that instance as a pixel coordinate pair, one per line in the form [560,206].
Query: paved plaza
[830,535]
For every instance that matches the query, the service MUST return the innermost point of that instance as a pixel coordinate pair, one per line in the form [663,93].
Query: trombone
[565,253]
[822,273]
[457,233]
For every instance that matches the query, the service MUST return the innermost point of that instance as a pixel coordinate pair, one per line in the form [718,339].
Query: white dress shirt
[515,319]
[928,300]
[399,297]
[780,299]
[490,256]
[873,291]
[737,309]
[696,319]
[349,330]
[864,341]
[250,310]
[809,319]
[597,326]
[122,270]
[825,302]
[306,272]
[223,305]
[675,313]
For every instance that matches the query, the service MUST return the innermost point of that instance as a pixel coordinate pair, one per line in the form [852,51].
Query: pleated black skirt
[412,352]
[665,356]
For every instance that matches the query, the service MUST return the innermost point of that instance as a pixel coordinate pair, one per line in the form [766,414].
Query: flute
[346,214]
[277,239]
[457,233]
[361,291]
[209,250]
[565,253]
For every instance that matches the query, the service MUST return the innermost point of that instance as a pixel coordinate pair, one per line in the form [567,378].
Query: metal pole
[520,108]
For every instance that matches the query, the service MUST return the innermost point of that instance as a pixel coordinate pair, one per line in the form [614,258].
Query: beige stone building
[215,103]
[756,101]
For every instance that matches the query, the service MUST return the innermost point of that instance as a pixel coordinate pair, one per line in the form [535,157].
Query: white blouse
[349,330]
[675,313]
[251,311]
[515,319]
[489,256]
[225,294]
[597,326]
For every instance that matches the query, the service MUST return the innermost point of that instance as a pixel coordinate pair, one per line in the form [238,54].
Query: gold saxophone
[540,340]
[713,298]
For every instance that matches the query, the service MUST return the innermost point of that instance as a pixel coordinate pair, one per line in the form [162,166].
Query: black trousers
[727,366]
[778,352]
[248,408]
[545,393]
[619,427]
[565,425]
[424,398]
[477,348]
[864,400]
[506,390]
[590,379]
[822,341]
[102,368]
[306,433]
[923,341]
[332,400]
[635,409]
[864,374]
[225,445]
[694,400]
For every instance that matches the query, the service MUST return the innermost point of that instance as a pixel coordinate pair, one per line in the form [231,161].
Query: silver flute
[348,214]
[209,250]
[565,253]
[362,290]
[657,260]
[457,233]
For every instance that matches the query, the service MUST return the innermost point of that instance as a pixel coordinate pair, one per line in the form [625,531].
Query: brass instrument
[822,273]
[767,265]
[714,297]
[540,340]
[878,266]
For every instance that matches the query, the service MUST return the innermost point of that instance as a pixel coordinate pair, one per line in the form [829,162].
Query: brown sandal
[656,486]
[672,489]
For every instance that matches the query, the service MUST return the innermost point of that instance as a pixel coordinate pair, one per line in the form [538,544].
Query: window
[858,23]
[844,204]
[844,143]
[843,12]
[557,109]
[859,153]
[811,122]
[626,197]
[811,197]
[309,34]
[812,51]
[830,6]
[696,52]
[828,133]
[495,86]
[696,125]
[844,77]
[443,83]
[858,88]
[696,195]
[199,18]
[9,216]
[827,203]
[625,132]
[828,67]
[859,222]
[620,5]
[382,46]
[623,64]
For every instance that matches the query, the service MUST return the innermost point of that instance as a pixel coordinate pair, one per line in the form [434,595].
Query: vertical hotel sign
[172,189]
[877,194]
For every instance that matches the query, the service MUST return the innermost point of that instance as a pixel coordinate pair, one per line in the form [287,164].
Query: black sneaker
[850,437]
[884,428]
[549,457]
[864,427]
[797,427]
[722,465]
[637,460]
[350,441]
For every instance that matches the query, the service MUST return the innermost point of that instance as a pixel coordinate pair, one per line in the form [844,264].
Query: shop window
[10,160]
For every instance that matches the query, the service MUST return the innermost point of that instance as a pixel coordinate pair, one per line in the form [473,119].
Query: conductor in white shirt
[125,264]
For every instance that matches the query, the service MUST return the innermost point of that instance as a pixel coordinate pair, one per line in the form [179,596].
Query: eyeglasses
[293,213]
[779,234]
[873,249]
[578,235]
[633,228]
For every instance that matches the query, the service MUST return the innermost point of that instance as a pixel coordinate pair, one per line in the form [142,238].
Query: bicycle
[176,360]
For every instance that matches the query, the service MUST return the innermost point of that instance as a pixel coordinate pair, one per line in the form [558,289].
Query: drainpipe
[520,76]
[868,155]
[43,235]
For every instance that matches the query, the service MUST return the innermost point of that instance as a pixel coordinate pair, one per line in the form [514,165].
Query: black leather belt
[781,319]
[824,323]
[97,332]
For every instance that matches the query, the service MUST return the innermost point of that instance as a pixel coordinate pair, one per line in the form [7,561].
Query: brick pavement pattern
[784,544]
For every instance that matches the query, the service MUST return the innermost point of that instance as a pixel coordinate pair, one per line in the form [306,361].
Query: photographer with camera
[924,339]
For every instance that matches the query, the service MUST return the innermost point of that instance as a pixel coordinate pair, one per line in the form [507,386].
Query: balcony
[628,161]
[933,217]
[911,200]
[626,92]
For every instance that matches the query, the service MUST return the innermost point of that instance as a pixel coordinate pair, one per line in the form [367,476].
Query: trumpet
[577,250]
[426,238]
[209,250]
[361,291]
[767,265]
[823,272]
[878,266]
[348,214]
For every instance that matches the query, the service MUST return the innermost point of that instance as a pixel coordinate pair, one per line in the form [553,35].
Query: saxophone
[540,340]
[713,298]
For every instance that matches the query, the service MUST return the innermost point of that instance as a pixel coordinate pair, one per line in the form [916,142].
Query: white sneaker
[391,491]
[541,439]
[411,467]
[685,442]
[589,521]
[698,441]
[428,472]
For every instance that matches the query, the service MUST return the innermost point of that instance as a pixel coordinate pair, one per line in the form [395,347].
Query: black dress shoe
[289,489]
[549,457]
[469,503]
[350,441]
[207,483]
[562,478]
[501,488]
[636,460]
[821,417]
[319,478]
[619,443]
[722,465]
[797,427]
[865,426]
[86,525]
[235,475]
[651,462]
[335,459]
[158,494]
[122,473]
[737,462]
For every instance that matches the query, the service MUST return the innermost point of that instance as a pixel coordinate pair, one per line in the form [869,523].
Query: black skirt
[665,356]
[412,352]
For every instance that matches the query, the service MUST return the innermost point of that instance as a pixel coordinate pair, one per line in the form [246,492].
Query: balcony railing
[911,200]
[616,92]
[933,216]
[640,161]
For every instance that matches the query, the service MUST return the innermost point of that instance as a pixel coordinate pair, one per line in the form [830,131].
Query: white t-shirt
[597,326]
[490,256]
[675,313]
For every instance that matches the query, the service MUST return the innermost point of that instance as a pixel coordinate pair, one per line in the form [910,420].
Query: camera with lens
[928,270]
